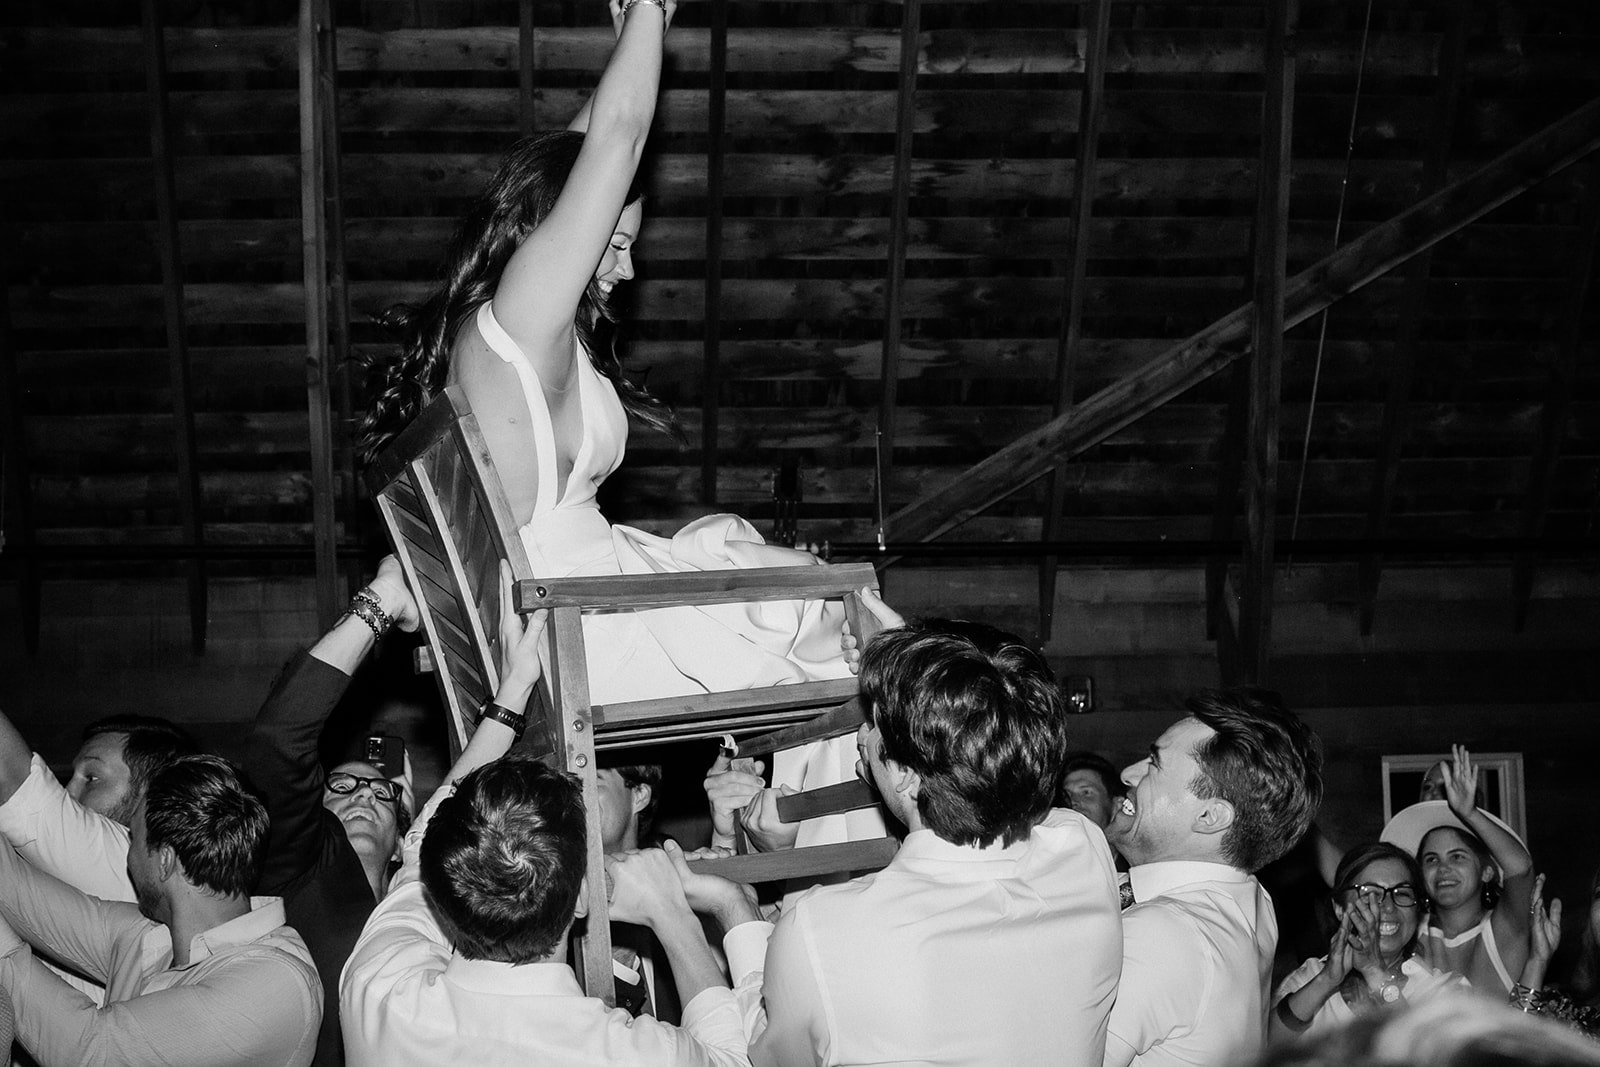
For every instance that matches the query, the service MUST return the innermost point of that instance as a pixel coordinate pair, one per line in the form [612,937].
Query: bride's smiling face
[616,264]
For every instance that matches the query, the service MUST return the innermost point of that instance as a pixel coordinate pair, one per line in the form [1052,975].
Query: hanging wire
[1338,226]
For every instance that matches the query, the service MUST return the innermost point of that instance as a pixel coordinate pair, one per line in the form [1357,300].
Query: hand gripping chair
[450,524]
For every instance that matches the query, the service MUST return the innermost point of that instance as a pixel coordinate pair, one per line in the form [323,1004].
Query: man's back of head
[200,808]
[976,715]
[119,753]
[502,860]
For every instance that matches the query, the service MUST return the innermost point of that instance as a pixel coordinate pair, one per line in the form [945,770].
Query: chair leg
[569,686]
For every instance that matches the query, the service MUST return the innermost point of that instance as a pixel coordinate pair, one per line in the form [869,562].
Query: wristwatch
[1388,992]
[502,714]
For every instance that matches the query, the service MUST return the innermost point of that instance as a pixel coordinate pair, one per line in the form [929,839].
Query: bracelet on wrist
[628,5]
[499,713]
[366,607]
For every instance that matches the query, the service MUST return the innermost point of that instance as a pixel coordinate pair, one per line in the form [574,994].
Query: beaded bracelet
[626,4]
[366,606]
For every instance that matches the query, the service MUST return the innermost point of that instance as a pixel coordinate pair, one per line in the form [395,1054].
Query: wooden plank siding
[808,137]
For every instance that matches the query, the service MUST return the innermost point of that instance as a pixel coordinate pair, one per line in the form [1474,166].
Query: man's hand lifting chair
[450,525]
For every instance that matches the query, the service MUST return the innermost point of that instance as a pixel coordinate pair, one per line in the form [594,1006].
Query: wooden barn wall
[428,96]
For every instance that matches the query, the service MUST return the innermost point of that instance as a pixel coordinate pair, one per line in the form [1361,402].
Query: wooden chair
[450,524]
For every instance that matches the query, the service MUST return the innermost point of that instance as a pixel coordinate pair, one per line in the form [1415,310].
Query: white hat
[1410,825]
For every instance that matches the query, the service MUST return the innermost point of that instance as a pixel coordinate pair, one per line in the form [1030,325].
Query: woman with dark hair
[1479,879]
[522,324]
[1577,1001]
[1371,961]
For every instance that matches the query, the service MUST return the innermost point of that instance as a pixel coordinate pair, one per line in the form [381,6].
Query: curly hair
[518,198]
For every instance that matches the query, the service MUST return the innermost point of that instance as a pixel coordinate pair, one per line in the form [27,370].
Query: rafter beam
[1091,112]
[1198,357]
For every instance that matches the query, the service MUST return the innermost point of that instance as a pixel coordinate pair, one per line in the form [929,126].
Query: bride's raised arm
[538,293]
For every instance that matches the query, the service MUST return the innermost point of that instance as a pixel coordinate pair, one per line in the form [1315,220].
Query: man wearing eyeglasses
[335,836]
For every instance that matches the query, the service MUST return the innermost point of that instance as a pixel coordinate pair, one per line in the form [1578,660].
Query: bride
[522,324]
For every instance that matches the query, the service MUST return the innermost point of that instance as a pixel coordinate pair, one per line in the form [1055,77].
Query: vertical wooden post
[716,153]
[1557,410]
[167,247]
[1266,357]
[339,292]
[1402,366]
[314,18]
[899,221]
[525,57]
[1091,109]
[1230,458]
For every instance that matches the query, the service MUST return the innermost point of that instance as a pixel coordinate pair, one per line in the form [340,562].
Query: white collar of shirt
[512,979]
[1151,880]
[925,846]
[265,915]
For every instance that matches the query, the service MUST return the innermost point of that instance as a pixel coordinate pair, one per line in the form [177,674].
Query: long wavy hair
[518,198]
[1585,983]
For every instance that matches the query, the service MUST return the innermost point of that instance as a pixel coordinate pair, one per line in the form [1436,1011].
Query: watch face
[1390,993]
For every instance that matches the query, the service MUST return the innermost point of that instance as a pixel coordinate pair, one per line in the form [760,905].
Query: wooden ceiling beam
[1557,411]
[1091,113]
[1402,370]
[172,302]
[1196,358]
[1266,347]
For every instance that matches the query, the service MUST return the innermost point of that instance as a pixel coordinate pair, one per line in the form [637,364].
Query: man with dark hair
[79,833]
[1089,785]
[465,960]
[1224,792]
[197,973]
[118,755]
[992,936]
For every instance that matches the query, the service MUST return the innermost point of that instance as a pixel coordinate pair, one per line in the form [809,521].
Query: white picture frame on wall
[1499,779]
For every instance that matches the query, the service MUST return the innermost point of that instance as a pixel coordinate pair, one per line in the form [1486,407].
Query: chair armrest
[732,586]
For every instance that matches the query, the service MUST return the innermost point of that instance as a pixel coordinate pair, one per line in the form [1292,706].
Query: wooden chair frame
[450,524]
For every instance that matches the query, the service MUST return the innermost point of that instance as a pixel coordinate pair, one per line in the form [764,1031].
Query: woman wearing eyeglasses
[1378,898]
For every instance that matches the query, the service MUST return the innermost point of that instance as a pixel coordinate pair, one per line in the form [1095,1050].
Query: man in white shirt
[1223,792]
[993,935]
[465,960]
[198,972]
[79,832]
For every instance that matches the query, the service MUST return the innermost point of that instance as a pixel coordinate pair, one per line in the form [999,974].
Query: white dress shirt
[407,998]
[949,955]
[249,996]
[1196,967]
[61,837]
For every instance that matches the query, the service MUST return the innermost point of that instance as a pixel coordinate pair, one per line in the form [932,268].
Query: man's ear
[583,899]
[1214,817]
[642,795]
[903,779]
[167,863]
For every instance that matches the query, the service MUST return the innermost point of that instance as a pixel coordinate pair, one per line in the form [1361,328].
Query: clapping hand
[1545,925]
